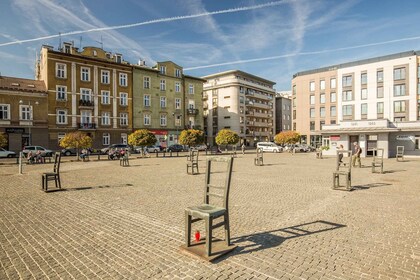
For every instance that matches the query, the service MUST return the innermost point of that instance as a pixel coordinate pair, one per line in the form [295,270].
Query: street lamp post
[31,118]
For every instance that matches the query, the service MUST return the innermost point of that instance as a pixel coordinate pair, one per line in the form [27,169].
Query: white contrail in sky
[233,10]
[303,53]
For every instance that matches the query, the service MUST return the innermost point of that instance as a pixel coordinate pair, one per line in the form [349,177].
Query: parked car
[269,147]
[116,147]
[200,147]
[44,152]
[175,148]
[69,151]
[6,153]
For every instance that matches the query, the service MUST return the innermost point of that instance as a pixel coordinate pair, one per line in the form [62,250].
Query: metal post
[20,162]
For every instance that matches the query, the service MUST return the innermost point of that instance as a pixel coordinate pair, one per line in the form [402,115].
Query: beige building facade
[241,102]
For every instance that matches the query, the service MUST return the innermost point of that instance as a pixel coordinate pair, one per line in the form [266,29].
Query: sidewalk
[117,222]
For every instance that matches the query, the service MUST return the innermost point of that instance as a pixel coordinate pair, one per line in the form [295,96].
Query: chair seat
[206,211]
[49,174]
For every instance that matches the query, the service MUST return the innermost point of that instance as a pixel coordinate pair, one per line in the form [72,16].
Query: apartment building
[375,102]
[166,101]
[89,90]
[283,111]
[23,112]
[241,102]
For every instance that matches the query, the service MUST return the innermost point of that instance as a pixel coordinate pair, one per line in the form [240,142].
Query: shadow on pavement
[393,171]
[89,188]
[268,239]
[368,186]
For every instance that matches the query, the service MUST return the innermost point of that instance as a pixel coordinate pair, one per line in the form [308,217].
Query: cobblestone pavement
[115,222]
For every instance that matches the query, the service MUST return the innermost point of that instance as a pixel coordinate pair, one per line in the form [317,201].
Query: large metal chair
[259,159]
[209,211]
[55,175]
[192,162]
[378,160]
[400,153]
[342,170]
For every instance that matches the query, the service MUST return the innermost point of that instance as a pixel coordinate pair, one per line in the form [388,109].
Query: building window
[380,92]
[333,111]
[191,104]
[146,100]
[333,97]
[363,78]
[191,89]
[312,99]
[364,94]
[123,119]
[105,77]
[60,136]
[123,99]
[162,120]
[106,118]
[105,97]
[311,125]
[162,102]
[380,108]
[85,74]
[61,70]
[399,106]
[124,138]
[322,85]
[347,110]
[322,98]
[123,79]
[380,76]
[25,113]
[106,139]
[312,86]
[399,90]
[364,108]
[347,95]
[4,111]
[322,112]
[177,103]
[162,69]
[177,87]
[399,119]
[85,94]
[61,117]
[399,74]
[162,84]
[146,119]
[146,82]
[178,73]
[312,112]
[61,92]
[333,83]
[347,81]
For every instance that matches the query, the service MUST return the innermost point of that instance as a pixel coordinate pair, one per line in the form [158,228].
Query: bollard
[20,162]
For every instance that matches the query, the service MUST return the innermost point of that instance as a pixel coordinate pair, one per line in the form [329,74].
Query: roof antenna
[101,42]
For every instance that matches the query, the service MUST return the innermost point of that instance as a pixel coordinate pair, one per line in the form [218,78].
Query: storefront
[162,137]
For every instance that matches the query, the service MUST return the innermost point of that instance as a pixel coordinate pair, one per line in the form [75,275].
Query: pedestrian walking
[340,154]
[356,155]
[243,148]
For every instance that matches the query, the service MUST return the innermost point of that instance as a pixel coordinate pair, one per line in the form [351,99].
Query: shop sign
[405,137]
[15,130]
[159,132]
[335,137]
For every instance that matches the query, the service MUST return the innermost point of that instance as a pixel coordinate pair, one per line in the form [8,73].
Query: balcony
[86,126]
[192,112]
[86,103]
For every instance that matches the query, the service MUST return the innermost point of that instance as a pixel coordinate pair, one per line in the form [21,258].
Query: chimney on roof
[142,62]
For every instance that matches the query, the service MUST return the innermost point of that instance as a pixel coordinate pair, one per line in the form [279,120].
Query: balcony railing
[86,125]
[86,103]
[192,111]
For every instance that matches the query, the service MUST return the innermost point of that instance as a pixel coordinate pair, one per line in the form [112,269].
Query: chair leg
[43,184]
[59,181]
[209,235]
[187,229]
[227,229]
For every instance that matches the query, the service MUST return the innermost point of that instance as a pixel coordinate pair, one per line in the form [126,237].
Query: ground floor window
[105,139]
[417,142]
[124,138]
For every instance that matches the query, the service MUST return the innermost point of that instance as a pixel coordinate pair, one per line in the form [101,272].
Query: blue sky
[270,39]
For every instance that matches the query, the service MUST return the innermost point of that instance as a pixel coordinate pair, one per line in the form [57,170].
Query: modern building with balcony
[241,102]
[89,90]
[166,101]
[375,102]
[23,112]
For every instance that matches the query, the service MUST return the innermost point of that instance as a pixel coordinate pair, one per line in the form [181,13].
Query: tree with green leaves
[227,137]
[77,140]
[142,138]
[287,137]
[3,139]
[191,137]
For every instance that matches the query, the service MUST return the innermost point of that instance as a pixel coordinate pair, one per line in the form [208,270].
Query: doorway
[353,138]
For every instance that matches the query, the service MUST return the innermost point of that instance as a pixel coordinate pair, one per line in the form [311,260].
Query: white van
[269,147]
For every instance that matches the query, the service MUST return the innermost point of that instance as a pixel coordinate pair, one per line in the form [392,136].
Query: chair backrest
[378,155]
[220,189]
[260,152]
[57,161]
[194,155]
[400,150]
